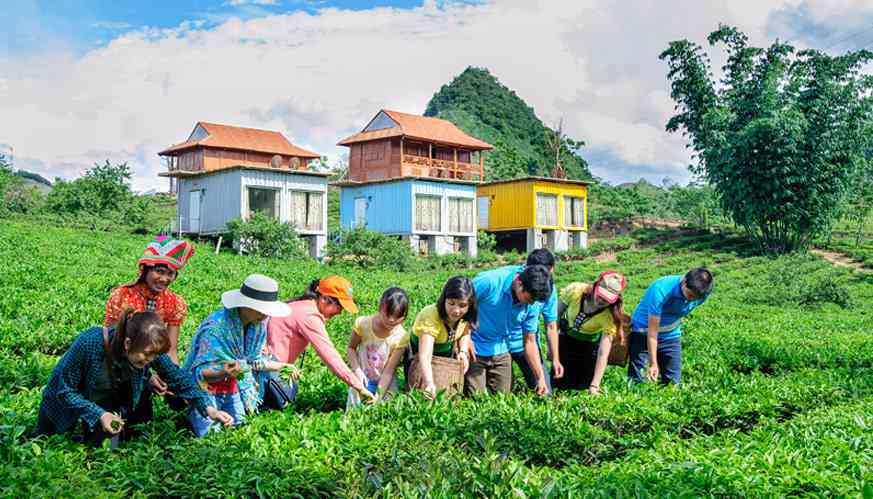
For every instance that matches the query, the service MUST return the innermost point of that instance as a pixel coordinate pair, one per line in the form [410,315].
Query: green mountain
[484,108]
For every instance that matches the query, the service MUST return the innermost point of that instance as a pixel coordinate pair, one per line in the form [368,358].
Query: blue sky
[90,80]
[36,25]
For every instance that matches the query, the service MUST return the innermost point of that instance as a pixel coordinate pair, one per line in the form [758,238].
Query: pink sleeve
[314,331]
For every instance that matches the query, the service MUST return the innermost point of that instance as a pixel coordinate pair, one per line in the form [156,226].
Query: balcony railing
[440,168]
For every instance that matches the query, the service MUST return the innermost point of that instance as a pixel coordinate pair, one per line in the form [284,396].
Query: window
[306,210]
[460,215]
[574,211]
[427,213]
[547,209]
[263,200]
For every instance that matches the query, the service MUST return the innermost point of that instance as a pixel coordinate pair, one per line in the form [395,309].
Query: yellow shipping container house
[535,212]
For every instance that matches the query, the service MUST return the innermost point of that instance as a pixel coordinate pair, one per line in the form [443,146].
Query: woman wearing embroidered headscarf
[591,319]
[159,266]
[227,348]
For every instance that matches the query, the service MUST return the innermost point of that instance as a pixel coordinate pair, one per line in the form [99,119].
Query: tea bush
[775,401]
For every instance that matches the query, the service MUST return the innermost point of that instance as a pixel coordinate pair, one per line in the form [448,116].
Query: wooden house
[270,176]
[395,144]
[435,216]
[535,212]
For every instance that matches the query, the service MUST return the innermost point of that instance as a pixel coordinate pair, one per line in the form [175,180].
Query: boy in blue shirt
[656,326]
[549,311]
[506,299]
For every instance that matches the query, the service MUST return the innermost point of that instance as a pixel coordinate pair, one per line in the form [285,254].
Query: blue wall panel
[389,206]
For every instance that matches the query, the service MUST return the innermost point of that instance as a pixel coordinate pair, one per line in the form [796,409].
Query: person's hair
[616,307]
[699,281]
[541,256]
[148,268]
[395,301]
[311,293]
[459,288]
[146,331]
[536,280]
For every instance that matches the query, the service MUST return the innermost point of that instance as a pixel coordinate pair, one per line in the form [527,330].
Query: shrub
[15,195]
[367,248]
[486,242]
[262,235]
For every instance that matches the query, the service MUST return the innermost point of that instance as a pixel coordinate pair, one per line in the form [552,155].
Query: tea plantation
[777,394]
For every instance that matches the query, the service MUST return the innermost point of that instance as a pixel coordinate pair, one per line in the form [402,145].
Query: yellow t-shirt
[374,351]
[589,330]
[428,322]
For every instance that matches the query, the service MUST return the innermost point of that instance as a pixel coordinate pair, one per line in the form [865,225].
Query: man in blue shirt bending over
[656,326]
[549,311]
[507,299]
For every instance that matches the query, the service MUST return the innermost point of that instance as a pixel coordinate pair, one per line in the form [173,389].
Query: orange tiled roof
[420,127]
[242,139]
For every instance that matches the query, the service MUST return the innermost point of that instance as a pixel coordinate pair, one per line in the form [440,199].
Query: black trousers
[579,358]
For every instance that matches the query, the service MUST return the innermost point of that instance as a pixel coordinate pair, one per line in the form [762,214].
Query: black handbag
[278,394]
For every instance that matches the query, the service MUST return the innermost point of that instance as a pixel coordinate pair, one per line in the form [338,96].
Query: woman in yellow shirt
[591,319]
[443,329]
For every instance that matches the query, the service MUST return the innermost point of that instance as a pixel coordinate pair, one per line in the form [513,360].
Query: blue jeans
[529,378]
[230,403]
[669,359]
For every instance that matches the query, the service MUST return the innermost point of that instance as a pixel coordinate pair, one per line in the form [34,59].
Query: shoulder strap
[581,317]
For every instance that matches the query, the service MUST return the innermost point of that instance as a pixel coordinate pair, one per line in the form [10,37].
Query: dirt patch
[605,257]
[841,260]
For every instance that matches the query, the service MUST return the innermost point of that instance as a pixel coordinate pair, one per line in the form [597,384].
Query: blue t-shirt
[664,298]
[549,311]
[499,315]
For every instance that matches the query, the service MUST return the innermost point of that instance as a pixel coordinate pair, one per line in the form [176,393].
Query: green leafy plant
[265,236]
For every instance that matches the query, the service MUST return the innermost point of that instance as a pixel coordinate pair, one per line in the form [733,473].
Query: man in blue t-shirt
[656,326]
[506,299]
[549,311]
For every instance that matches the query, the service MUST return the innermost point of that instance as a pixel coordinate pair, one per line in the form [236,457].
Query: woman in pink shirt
[288,337]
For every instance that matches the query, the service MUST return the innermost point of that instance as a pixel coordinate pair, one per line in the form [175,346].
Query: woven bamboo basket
[619,353]
[446,375]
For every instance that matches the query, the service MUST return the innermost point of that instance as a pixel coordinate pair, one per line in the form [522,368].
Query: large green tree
[780,136]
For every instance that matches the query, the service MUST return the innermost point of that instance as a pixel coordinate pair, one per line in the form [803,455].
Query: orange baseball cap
[339,288]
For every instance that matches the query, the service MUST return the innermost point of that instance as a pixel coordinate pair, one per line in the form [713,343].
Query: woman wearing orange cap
[288,337]
[588,311]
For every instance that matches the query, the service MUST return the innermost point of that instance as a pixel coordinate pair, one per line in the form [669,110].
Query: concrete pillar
[534,239]
[443,245]
[472,246]
[561,241]
[316,246]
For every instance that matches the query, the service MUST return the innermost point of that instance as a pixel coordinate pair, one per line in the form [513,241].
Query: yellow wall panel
[513,204]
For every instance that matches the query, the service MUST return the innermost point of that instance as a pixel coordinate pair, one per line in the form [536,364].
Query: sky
[85,81]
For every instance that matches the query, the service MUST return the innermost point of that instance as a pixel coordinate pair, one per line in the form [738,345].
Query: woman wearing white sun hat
[228,346]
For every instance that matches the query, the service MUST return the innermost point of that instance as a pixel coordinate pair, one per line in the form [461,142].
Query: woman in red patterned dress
[159,265]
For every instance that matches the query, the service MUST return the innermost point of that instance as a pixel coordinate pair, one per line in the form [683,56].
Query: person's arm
[600,366]
[425,356]
[532,354]
[352,353]
[314,331]
[466,353]
[72,367]
[552,337]
[652,342]
[388,371]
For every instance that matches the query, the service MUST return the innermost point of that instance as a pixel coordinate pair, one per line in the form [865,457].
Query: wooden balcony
[421,166]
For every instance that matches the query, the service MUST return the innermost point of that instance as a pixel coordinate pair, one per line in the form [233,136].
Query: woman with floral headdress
[159,266]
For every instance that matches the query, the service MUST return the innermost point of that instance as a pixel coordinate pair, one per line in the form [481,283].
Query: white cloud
[319,77]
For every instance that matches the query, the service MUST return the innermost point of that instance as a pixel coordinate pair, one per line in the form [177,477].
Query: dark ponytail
[311,292]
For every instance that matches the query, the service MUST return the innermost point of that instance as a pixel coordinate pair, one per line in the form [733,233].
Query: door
[483,212]
[194,211]
[360,212]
